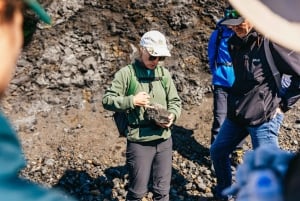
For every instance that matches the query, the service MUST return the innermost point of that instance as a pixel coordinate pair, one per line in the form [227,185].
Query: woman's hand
[168,125]
[141,99]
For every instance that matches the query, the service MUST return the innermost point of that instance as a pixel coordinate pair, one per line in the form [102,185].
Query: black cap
[232,17]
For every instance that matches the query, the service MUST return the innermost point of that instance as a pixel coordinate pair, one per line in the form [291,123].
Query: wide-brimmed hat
[278,20]
[155,43]
[39,10]
[231,17]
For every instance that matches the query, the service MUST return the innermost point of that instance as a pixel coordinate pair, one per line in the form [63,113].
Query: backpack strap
[270,60]
[164,79]
[133,83]
[217,42]
[134,80]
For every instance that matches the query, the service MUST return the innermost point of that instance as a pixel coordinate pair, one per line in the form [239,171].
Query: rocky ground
[54,101]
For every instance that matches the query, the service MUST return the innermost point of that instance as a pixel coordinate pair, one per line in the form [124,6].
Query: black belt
[224,64]
[141,126]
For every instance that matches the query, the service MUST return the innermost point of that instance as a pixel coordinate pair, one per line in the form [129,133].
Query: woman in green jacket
[149,142]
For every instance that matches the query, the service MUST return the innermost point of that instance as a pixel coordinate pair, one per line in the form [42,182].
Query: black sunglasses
[153,58]
[232,14]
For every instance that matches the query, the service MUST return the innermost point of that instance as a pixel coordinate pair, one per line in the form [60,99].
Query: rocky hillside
[90,40]
[54,101]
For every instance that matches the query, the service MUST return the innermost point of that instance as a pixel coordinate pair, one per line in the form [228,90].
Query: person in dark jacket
[255,105]
[12,160]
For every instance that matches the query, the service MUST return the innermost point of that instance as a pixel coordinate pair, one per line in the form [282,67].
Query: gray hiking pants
[149,159]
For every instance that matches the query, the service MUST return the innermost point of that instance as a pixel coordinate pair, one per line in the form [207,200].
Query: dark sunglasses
[153,58]
[232,14]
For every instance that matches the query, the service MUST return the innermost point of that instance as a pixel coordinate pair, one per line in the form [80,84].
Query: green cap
[39,10]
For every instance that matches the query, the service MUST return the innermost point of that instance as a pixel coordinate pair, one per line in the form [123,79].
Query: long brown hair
[8,9]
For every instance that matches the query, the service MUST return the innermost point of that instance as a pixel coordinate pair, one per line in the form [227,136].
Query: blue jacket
[12,187]
[219,60]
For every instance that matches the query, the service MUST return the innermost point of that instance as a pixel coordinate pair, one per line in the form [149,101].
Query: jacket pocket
[248,109]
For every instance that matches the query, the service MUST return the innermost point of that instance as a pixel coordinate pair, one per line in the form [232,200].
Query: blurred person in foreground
[149,143]
[255,105]
[267,174]
[12,187]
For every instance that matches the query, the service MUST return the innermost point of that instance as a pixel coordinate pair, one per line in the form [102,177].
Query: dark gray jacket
[255,95]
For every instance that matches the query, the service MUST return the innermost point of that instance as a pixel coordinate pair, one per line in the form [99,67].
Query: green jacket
[115,99]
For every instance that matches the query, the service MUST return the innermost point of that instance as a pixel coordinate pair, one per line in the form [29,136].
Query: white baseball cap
[155,43]
[278,20]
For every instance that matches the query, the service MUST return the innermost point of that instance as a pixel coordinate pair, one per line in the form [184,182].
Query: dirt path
[91,133]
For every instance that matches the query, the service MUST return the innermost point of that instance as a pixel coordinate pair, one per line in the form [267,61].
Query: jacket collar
[252,36]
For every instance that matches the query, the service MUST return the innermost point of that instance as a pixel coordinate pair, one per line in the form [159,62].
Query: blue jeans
[229,137]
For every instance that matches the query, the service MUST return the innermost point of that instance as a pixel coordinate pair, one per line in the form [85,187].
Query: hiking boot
[218,197]
[237,157]
[230,198]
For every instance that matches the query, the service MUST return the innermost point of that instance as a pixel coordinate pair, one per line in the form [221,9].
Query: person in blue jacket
[12,187]
[222,79]
[222,73]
